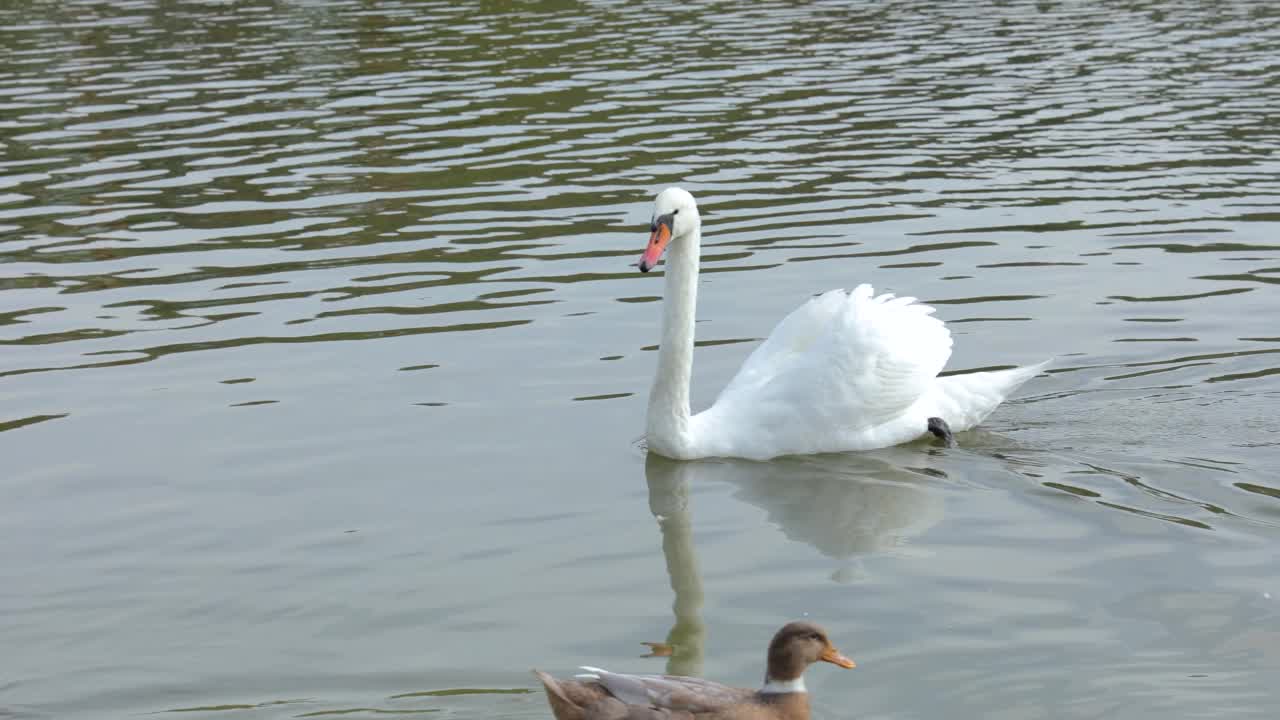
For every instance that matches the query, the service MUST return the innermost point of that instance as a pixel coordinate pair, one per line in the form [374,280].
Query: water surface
[324,358]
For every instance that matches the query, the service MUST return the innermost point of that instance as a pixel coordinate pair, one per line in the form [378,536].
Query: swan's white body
[847,370]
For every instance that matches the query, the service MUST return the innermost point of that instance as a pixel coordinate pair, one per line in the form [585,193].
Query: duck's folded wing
[669,692]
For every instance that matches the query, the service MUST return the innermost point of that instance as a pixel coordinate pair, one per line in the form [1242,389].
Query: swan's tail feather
[966,400]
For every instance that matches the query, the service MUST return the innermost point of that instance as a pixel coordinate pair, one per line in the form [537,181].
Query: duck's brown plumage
[615,696]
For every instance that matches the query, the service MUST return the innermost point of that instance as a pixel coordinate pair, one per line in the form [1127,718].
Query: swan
[848,370]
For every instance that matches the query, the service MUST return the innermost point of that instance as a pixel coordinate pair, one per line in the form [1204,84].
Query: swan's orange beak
[834,657]
[659,236]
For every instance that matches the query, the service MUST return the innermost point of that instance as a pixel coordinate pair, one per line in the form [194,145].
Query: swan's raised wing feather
[846,359]
[893,349]
[796,334]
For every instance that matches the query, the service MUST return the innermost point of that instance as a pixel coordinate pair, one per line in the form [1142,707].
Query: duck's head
[797,646]
[675,216]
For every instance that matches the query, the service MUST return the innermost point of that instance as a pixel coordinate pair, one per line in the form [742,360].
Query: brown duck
[602,695]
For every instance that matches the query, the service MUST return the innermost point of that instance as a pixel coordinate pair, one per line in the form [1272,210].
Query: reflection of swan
[843,505]
[847,506]
[844,371]
[669,502]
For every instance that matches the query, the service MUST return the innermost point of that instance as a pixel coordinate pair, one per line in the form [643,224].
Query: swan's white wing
[845,361]
[796,334]
[894,349]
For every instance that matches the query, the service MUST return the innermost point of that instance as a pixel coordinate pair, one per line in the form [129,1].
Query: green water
[324,358]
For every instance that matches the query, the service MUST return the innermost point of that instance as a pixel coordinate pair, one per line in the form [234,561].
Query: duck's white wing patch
[628,688]
[667,691]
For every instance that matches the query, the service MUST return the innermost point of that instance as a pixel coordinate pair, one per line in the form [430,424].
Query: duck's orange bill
[658,240]
[834,657]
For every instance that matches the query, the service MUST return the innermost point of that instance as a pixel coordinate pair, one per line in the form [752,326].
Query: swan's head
[675,215]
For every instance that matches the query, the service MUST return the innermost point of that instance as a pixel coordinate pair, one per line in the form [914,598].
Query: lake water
[325,359]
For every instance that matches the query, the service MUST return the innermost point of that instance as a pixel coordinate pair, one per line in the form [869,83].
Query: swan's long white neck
[667,426]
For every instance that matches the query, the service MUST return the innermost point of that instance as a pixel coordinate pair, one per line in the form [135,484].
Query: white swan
[846,370]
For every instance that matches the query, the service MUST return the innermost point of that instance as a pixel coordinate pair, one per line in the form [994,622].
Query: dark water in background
[323,360]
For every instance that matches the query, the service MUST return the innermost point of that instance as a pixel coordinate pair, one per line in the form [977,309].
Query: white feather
[630,689]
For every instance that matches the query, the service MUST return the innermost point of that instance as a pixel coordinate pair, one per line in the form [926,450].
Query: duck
[602,695]
[848,370]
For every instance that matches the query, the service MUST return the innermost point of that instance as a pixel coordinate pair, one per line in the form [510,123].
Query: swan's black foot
[942,431]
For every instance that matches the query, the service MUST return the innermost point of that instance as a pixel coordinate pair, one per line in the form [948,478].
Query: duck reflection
[846,506]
